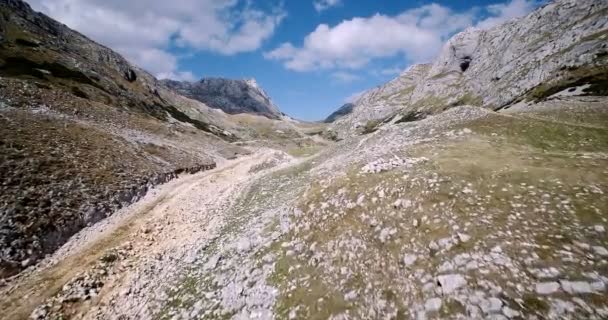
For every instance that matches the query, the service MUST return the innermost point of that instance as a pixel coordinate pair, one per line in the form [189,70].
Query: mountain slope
[83,132]
[231,96]
[527,59]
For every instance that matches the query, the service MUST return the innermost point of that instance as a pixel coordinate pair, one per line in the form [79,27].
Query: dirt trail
[168,222]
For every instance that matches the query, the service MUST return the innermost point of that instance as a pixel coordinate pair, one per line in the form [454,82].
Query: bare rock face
[560,45]
[384,100]
[231,96]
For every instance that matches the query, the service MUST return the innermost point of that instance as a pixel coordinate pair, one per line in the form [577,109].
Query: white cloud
[503,12]
[322,5]
[417,34]
[179,76]
[143,30]
[345,77]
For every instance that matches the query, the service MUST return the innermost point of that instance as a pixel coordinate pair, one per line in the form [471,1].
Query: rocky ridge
[560,45]
[231,96]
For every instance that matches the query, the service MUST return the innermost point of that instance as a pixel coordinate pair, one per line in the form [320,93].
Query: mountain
[231,96]
[445,196]
[83,132]
[526,59]
[344,110]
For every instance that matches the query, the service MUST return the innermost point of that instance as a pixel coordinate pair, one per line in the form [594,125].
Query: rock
[463,237]
[25,263]
[243,245]
[382,165]
[125,292]
[397,204]
[130,75]
[599,228]
[576,286]
[598,286]
[352,295]
[510,313]
[546,288]
[212,262]
[231,96]
[601,251]
[409,259]
[451,282]
[495,304]
[386,234]
[433,305]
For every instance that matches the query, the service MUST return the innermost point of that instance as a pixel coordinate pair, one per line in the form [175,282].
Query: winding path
[167,226]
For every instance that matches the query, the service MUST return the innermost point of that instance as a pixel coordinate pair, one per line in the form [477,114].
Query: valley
[450,192]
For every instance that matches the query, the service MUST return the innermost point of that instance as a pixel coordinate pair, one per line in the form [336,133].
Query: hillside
[473,187]
[524,60]
[84,132]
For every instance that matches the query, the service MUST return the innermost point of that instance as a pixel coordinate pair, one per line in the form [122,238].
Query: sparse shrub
[370,127]
[411,116]
[330,135]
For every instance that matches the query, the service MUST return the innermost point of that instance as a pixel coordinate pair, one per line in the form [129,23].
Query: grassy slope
[527,184]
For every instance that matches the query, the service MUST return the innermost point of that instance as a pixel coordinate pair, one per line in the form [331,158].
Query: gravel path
[115,267]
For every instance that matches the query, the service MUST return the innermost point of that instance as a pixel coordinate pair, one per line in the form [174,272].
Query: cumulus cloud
[322,5]
[503,12]
[143,30]
[179,76]
[417,34]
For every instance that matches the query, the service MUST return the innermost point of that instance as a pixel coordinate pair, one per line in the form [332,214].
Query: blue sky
[309,55]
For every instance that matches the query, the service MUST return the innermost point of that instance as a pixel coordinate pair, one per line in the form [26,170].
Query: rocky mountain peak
[231,96]
[253,83]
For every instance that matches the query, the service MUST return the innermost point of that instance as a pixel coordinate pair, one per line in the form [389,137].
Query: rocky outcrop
[231,96]
[560,45]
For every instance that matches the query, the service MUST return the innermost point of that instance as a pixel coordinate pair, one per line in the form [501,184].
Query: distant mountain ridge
[344,110]
[231,96]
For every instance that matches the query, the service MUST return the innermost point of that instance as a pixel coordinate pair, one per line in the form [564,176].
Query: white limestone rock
[451,282]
